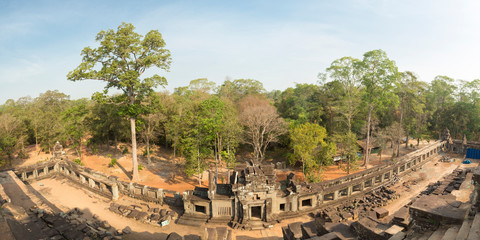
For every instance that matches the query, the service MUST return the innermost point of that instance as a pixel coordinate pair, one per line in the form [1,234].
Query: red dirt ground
[168,174]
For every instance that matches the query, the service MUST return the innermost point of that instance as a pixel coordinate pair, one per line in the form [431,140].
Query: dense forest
[310,122]
[308,125]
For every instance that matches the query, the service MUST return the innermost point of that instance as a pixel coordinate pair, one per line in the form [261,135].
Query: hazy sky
[279,43]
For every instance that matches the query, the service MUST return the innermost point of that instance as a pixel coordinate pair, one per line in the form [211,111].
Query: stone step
[474,233]
[398,236]
[451,233]
[438,234]
[464,230]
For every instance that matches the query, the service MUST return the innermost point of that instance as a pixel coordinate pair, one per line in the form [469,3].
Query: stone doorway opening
[256,212]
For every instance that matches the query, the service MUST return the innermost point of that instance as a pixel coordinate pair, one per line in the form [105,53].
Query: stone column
[45,170]
[319,198]
[362,186]
[160,196]
[335,195]
[24,176]
[91,183]
[35,173]
[145,191]
[349,190]
[82,179]
[115,192]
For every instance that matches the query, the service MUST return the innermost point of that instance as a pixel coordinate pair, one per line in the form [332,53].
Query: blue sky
[279,43]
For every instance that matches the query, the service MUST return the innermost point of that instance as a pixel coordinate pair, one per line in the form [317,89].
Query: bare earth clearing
[168,174]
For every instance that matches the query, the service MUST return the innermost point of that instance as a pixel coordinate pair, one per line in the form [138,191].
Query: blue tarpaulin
[473,153]
[466,161]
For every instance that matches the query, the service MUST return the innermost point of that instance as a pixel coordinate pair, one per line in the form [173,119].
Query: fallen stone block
[381,212]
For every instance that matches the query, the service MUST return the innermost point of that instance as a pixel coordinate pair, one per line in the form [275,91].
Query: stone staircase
[218,233]
[469,230]
[312,231]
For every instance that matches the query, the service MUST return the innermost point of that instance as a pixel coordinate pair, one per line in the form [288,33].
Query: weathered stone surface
[475,229]
[431,210]
[309,230]
[381,212]
[174,236]
[296,230]
[191,237]
[127,230]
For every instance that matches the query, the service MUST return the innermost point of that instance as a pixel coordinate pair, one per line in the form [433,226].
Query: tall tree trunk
[406,139]
[108,142]
[367,153]
[216,161]
[148,150]
[135,176]
[166,139]
[303,169]
[198,167]
[348,165]
[116,144]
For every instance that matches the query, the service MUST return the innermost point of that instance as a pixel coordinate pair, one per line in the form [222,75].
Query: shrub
[140,167]
[125,150]
[113,162]
[78,161]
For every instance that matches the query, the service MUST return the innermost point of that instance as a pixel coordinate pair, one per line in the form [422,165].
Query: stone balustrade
[319,195]
[95,181]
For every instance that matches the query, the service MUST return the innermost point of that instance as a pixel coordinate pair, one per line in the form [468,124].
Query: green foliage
[309,146]
[125,150]
[140,166]
[348,149]
[113,161]
[78,161]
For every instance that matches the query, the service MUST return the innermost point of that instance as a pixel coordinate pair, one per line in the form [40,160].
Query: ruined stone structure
[98,182]
[254,199]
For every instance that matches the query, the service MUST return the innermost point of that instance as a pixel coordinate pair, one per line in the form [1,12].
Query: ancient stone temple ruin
[254,199]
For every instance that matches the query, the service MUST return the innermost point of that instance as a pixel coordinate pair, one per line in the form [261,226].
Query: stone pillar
[91,183]
[335,195]
[145,191]
[45,170]
[476,182]
[294,203]
[35,173]
[131,188]
[319,199]
[56,167]
[362,186]
[115,192]
[102,187]
[160,196]
[349,190]
[82,179]
[382,177]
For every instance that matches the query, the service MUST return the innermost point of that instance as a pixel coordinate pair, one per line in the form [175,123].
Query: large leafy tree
[75,118]
[51,127]
[307,140]
[379,76]
[346,72]
[121,59]
[439,97]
